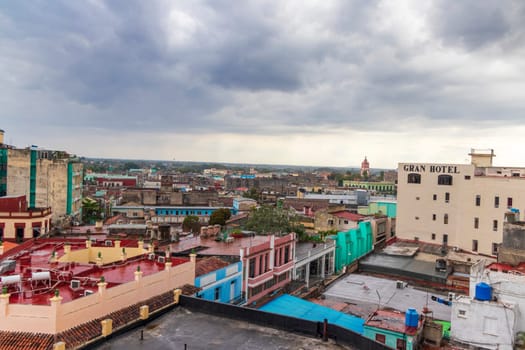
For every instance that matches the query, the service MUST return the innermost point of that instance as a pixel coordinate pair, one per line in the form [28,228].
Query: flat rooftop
[361,292]
[203,331]
[33,278]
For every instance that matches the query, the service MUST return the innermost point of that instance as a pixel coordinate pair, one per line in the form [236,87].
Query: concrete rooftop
[362,291]
[201,331]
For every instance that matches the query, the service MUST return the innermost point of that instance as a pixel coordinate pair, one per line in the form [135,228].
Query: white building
[458,205]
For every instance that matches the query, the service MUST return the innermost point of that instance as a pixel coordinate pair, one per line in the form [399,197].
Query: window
[476,222]
[509,202]
[433,236]
[251,268]
[286,254]
[217,293]
[494,225]
[414,178]
[1,233]
[494,248]
[445,219]
[478,200]
[445,180]
[400,344]
[474,245]
[467,177]
[445,239]
[435,197]
[496,202]
[261,265]
[434,217]
[380,338]
[462,313]
[447,197]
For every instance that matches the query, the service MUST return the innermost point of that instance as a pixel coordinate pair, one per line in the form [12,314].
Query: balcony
[258,280]
[278,270]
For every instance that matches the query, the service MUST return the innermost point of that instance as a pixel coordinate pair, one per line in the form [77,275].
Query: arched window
[414,178]
[445,180]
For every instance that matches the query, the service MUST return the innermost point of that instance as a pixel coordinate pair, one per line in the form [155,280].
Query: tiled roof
[208,265]
[348,215]
[26,341]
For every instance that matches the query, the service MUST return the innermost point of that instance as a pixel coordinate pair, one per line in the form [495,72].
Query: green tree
[191,223]
[252,193]
[91,210]
[268,220]
[220,216]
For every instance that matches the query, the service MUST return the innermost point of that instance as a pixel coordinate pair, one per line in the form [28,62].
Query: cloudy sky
[284,82]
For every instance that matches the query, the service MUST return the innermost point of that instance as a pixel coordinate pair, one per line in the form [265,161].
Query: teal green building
[352,244]
[388,327]
[380,207]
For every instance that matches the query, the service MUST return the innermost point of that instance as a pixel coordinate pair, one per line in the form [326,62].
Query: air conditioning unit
[88,292]
[74,284]
[400,284]
[151,256]
[451,296]
[108,243]
[161,259]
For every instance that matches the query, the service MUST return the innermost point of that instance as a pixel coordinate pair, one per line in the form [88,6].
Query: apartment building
[47,178]
[458,205]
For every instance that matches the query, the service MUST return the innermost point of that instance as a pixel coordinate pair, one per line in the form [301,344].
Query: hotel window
[445,180]
[445,239]
[433,236]
[476,222]
[447,197]
[467,177]
[509,202]
[494,225]
[494,248]
[434,217]
[496,202]
[414,178]
[478,200]
[474,245]
[435,197]
[445,219]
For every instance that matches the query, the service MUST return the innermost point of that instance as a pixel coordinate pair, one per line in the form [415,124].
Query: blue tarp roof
[295,307]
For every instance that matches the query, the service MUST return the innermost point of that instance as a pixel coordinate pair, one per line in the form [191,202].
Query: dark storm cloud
[251,67]
[475,24]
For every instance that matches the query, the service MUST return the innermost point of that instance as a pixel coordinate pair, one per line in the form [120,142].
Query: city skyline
[320,84]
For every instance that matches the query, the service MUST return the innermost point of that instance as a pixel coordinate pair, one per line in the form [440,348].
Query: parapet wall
[58,316]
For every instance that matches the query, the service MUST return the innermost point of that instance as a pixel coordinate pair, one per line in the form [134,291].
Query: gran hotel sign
[422,168]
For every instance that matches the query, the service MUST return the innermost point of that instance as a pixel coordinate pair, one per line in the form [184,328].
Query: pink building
[268,266]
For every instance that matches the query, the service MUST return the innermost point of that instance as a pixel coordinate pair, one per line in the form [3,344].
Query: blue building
[219,280]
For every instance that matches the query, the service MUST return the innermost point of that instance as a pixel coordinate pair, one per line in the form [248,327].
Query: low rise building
[219,280]
[398,330]
[268,266]
[18,222]
[314,261]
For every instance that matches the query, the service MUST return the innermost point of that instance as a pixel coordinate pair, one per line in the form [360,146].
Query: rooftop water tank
[411,318]
[483,292]
[11,279]
[41,276]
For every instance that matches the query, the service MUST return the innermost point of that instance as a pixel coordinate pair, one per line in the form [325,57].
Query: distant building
[19,223]
[47,178]
[365,168]
[458,205]
[379,187]
[337,219]
[352,244]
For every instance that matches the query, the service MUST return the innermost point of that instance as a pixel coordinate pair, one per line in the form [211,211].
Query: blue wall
[218,281]
[179,211]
